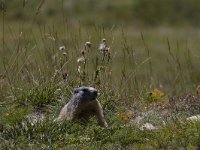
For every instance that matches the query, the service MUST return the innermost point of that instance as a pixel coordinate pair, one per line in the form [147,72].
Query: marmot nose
[95,93]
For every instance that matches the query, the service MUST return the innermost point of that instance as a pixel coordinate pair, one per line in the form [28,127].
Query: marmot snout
[85,94]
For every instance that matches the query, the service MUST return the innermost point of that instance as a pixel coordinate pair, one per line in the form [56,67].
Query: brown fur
[82,112]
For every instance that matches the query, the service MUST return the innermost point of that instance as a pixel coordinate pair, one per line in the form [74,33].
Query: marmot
[82,105]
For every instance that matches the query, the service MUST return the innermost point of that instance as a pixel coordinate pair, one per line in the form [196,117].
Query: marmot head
[85,93]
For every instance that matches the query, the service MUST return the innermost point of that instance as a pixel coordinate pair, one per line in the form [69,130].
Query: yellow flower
[156,94]
[125,116]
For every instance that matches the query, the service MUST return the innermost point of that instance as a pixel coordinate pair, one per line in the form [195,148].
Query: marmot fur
[82,105]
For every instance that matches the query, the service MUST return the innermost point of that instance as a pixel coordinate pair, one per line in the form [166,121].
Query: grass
[151,72]
[31,82]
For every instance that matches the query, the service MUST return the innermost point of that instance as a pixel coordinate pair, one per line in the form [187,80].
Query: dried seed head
[62,48]
[81,60]
[88,44]
[64,54]
[103,40]
[107,48]
[103,46]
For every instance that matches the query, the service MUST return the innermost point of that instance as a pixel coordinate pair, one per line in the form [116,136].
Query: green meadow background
[152,70]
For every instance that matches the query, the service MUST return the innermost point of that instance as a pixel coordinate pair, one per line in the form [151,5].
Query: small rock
[194,118]
[138,119]
[35,118]
[148,126]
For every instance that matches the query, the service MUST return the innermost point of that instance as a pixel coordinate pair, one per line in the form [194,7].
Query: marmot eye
[85,90]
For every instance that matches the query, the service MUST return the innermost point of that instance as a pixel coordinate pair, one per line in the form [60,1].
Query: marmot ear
[76,90]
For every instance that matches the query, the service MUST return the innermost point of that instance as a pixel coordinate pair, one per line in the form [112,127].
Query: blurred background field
[106,12]
[154,55]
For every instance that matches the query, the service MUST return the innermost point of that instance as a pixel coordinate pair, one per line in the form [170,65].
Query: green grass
[31,82]
[36,77]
